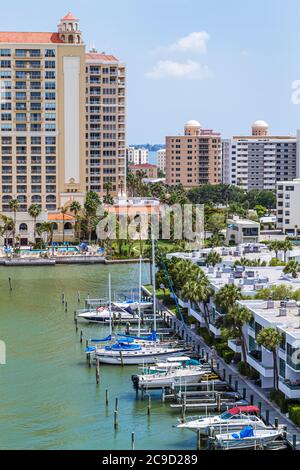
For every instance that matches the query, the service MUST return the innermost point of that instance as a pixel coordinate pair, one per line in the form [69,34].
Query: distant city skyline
[225,64]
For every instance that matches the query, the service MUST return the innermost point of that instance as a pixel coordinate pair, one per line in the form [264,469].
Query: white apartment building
[242,231]
[288,213]
[137,156]
[285,317]
[260,160]
[161,159]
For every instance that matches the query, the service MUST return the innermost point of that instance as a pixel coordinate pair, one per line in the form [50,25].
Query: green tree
[286,246]
[293,268]
[108,199]
[200,294]
[75,208]
[46,228]
[14,207]
[7,227]
[228,296]
[271,338]
[234,322]
[213,258]
[90,219]
[64,211]
[34,211]
[275,246]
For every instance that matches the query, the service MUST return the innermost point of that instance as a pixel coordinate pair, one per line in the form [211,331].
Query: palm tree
[286,246]
[235,320]
[293,268]
[275,245]
[75,208]
[7,228]
[228,296]
[108,199]
[63,212]
[91,205]
[271,338]
[46,228]
[14,206]
[34,211]
[199,293]
[213,258]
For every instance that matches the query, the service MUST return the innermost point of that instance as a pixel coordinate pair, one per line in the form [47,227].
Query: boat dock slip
[248,389]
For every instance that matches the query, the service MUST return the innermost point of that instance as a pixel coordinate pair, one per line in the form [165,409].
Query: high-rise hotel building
[194,158]
[62,120]
[260,160]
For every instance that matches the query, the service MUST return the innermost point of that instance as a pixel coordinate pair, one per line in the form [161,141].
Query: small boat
[247,438]
[231,420]
[176,370]
[136,354]
[103,314]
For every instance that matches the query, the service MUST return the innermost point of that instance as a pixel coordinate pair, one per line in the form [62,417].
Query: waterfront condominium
[105,127]
[260,160]
[193,158]
[62,118]
[137,156]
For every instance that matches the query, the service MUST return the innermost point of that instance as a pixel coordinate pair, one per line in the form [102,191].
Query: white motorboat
[176,370]
[247,438]
[232,420]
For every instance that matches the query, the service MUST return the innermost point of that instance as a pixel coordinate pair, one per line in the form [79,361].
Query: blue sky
[237,68]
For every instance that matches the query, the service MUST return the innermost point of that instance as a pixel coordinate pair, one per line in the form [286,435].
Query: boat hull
[132,358]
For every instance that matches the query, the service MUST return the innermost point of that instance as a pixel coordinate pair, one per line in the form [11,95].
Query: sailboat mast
[154,283]
[140,297]
[109,303]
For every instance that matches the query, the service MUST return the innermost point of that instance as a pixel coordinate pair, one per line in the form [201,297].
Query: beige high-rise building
[42,116]
[62,120]
[194,158]
[105,126]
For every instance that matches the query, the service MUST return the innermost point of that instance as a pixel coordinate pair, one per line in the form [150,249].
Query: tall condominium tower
[42,116]
[105,126]
[62,119]
[260,160]
[193,158]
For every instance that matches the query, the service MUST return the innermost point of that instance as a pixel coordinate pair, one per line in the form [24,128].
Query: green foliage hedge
[294,412]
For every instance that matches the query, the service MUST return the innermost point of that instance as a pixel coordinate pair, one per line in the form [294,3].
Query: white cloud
[194,42]
[170,69]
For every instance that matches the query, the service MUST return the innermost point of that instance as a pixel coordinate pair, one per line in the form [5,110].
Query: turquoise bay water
[48,396]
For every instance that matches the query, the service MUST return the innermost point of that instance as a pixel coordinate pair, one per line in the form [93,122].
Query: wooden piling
[132,441]
[115,419]
[97,372]
[294,441]
[224,374]
[81,336]
[149,405]
[62,298]
[276,423]
[78,297]
[90,360]
[260,406]
[267,417]
[230,379]
[76,325]
[106,397]
[251,400]
[198,440]
[66,306]
[244,393]
[163,395]
[117,404]
[10,284]
[219,402]
[236,386]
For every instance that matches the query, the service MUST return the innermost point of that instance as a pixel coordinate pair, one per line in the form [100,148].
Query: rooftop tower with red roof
[69,30]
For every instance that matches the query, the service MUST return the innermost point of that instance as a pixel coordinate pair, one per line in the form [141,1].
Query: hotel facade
[62,119]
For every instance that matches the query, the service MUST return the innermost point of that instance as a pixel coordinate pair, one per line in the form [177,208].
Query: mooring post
[276,423]
[115,419]
[63,298]
[236,386]
[90,360]
[97,372]
[251,400]
[76,325]
[198,440]
[244,393]
[10,285]
[66,306]
[260,406]
[149,405]
[267,417]
[78,297]
[294,441]
[224,374]
[219,402]
[230,379]
[106,397]
[163,395]
[132,441]
[74,315]
[81,336]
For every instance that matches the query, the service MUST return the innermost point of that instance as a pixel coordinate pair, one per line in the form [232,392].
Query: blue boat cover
[104,340]
[246,432]
[90,349]
[123,347]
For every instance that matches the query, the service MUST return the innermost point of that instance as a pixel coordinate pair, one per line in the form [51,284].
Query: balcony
[235,345]
[291,390]
[254,359]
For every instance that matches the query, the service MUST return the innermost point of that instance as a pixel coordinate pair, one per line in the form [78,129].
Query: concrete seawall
[51,262]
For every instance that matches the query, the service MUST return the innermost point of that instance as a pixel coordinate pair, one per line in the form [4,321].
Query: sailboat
[124,351]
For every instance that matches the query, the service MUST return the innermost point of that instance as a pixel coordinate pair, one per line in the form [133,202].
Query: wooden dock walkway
[230,373]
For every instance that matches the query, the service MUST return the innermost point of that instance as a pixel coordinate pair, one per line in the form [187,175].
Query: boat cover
[246,432]
[244,409]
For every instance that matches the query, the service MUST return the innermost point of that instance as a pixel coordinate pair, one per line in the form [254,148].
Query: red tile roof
[29,38]
[60,217]
[96,57]
[70,17]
